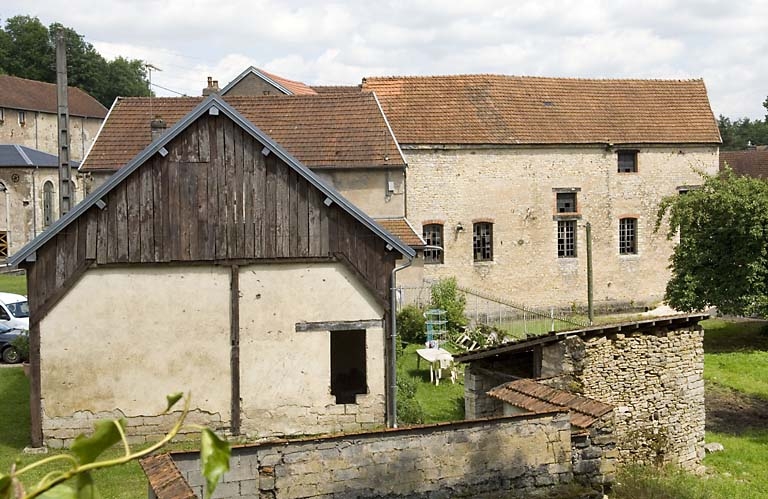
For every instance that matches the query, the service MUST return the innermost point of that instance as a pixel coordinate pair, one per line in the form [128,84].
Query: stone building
[505,172]
[29,116]
[650,371]
[29,199]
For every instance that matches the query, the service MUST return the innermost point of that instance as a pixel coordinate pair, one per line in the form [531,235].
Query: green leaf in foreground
[60,492]
[105,435]
[172,399]
[214,459]
[86,489]
[5,487]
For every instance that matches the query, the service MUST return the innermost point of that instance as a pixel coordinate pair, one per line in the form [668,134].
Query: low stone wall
[525,456]
[655,380]
[594,454]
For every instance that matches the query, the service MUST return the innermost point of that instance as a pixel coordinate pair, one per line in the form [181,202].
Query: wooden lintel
[303,327]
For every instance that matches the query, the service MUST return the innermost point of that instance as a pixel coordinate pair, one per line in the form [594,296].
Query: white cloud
[342,41]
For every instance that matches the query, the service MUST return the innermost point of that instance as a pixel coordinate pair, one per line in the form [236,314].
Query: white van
[14,311]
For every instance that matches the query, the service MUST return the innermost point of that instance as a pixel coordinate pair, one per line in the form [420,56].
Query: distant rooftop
[15,156]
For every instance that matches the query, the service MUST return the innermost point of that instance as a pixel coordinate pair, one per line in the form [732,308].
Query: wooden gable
[218,196]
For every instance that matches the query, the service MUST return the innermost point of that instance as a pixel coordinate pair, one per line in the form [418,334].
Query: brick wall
[529,456]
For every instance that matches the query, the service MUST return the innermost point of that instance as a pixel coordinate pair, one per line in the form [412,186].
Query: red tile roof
[31,95]
[165,479]
[536,397]
[335,89]
[753,163]
[332,131]
[295,87]
[404,231]
[493,109]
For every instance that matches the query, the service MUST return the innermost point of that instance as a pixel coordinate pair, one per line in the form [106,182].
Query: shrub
[445,296]
[409,410]
[21,344]
[410,324]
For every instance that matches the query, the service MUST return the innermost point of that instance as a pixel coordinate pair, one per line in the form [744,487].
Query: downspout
[392,392]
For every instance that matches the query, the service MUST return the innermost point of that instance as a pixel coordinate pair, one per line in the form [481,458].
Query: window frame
[482,243]
[625,152]
[564,249]
[628,236]
[22,118]
[566,196]
[434,235]
[48,203]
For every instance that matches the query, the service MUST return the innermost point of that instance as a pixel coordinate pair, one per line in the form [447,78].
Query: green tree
[738,134]
[30,54]
[446,296]
[722,255]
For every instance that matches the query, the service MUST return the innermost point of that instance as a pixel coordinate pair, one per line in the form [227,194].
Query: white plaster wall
[514,188]
[368,189]
[124,338]
[286,375]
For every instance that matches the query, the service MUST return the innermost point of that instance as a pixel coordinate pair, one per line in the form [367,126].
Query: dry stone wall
[528,456]
[655,380]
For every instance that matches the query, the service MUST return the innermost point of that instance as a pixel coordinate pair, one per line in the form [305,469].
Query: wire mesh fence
[514,320]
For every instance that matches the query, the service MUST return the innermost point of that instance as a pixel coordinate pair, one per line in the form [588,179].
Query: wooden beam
[35,390]
[304,327]
[234,295]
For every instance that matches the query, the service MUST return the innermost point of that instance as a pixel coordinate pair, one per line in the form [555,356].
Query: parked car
[14,311]
[8,353]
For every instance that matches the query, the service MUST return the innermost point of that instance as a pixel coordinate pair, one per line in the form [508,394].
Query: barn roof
[511,110]
[288,87]
[33,95]
[330,131]
[213,104]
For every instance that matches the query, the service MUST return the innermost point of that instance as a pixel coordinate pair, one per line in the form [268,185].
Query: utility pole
[65,172]
[589,275]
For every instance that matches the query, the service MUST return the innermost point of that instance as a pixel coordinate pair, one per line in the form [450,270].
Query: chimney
[157,126]
[212,88]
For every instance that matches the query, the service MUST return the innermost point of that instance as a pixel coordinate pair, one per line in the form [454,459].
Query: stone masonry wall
[529,456]
[594,453]
[655,380]
[515,189]
[477,383]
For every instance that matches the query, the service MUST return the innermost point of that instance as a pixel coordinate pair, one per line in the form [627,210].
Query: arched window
[47,203]
[72,193]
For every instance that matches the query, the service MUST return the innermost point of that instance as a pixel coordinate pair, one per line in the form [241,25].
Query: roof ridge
[530,77]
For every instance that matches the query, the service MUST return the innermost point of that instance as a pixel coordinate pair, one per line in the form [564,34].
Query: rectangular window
[433,235]
[482,241]
[566,202]
[2,115]
[348,367]
[627,161]
[566,238]
[22,118]
[628,236]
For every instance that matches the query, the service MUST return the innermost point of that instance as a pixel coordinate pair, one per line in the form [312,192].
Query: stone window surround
[636,218]
[566,215]
[22,118]
[635,153]
[434,257]
[490,222]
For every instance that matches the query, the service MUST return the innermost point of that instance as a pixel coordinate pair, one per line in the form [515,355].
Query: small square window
[566,202]
[482,241]
[433,236]
[566,239]
[627,161]
[628,236]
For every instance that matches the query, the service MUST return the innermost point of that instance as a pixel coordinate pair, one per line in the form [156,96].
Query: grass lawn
[10,283]
[736,355]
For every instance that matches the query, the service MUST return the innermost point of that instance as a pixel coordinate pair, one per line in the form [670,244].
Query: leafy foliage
[738,134]
[722,256]
[409,410]
[410,324]
[28,50]
[446,296]
[75,479]
[21,344]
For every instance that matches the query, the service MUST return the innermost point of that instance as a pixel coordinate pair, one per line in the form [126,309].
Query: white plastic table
[438,359]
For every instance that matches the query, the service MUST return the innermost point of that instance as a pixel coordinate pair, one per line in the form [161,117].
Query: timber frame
[213,190]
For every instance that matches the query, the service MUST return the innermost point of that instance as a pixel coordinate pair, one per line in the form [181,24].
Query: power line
[169,90]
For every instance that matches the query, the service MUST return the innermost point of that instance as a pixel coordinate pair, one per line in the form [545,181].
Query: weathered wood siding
[213,198]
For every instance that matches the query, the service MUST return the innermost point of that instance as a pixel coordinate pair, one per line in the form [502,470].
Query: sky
[340,42]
